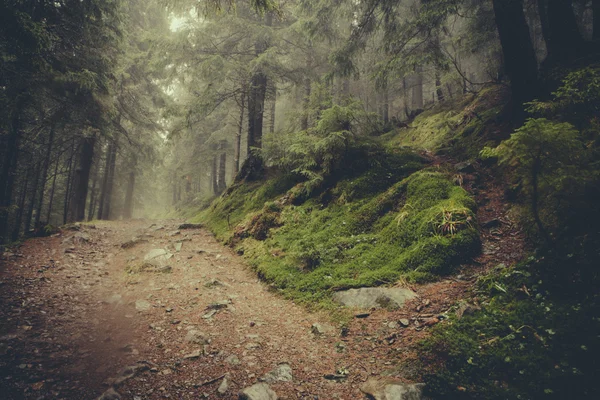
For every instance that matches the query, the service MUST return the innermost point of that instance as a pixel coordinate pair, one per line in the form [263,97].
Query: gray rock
[283,373]
[374,297]
[390,389]
[197,337]
[110,394]
[321,329]
[193,355]
[260,391]
[178,246]
[404,322]
[157,255]
[224,386]
[142,305]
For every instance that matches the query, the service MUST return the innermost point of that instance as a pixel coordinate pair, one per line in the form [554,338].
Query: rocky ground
[153,310]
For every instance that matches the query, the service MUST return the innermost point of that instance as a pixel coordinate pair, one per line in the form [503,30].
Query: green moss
[460,128]
[309,251]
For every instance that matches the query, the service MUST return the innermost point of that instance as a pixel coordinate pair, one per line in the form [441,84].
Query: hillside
[424,207]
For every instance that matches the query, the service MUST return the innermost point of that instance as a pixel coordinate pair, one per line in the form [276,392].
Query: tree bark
[51,200]
[385,106]
[8,172]
[596,24]
[102,204]
[519,56]
[305,104]
[93,194]
[38,214]
[222,171]
[438,88]
[256,109]
[214,176]
[32,199]
[21,205]
[69,184]
[273,108]
[238,137]
[82,178]
[128,207]
[563,38]
[417,90]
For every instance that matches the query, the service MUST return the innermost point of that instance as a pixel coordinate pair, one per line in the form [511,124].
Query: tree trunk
[8,172]
[273,108]
[519,56]
[32,199]
[386,106]
[128,208]
[214,176]
[82,178]
[256,109]
[102,204]
[38,213]
[417,90]
[563,39]
[238,137]
[93,194]
[222,172]
[305,103]
[596,26]
[51,200]
[110,184]
[69,184]
[438,88]
[21,205]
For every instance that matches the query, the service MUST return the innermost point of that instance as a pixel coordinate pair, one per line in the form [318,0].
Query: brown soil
[70,322]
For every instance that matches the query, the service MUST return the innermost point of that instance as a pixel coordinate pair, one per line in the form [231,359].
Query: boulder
[390,298]
[391,389]
[259,391]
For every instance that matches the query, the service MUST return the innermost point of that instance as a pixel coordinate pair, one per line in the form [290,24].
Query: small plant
[453,219]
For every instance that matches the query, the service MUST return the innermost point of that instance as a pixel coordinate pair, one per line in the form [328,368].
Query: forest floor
[81,312]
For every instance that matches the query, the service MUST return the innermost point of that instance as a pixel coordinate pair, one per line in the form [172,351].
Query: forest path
[73,318]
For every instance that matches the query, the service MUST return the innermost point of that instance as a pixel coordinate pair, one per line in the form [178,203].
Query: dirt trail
[72,318]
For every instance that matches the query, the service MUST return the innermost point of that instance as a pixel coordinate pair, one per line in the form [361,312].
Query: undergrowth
[519,345]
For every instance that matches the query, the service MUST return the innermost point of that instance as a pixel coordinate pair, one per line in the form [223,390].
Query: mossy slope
[393,220]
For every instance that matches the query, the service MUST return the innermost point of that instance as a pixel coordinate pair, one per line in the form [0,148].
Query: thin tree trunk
[51,200]
[596,12]
[105,194]
[417,90]
[128,207]
[213,176]
[238,137]
[305,103]
[110,184]
[34,191]
[438,88]
[273,108]
[222,172]
[385,106]
[69,184]
[82,178]
[38,213]
[21,205]
[93,194]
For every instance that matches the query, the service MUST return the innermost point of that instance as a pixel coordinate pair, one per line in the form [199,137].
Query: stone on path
[197,337]
[374,297]
[322,329]
[390,389]
[224,386]
[110,394]
[142,305]
[158,255]
[282,373]
[259,391]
